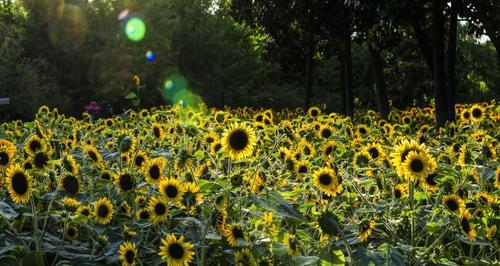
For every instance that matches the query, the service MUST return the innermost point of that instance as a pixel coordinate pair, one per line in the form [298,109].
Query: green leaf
[329,223]
[335,258]
[420,195]
[206,186]
[131,96]
[303,261]
[7,211]
[392,255]
[33,259]
[199,155]
[273,201]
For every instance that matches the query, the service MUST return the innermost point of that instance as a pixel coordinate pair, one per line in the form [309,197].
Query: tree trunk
[438,62]
[452,51]
[347,60]
[378,74]
[309,68]
[423,43]
[342,82]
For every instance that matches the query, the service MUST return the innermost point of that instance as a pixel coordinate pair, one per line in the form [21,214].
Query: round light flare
[150,56]
[123,14]
[186,97]
[168,85]
[135,29]
[68,28]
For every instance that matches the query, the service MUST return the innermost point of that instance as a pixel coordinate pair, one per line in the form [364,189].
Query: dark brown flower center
[4,158]
[20,183]
[238,140]
[171,191]
[102,211]
[71,185]
[416,165]
[154,172]
[126,182]
[325,179]
[160,209]
[129,256]
[176,251]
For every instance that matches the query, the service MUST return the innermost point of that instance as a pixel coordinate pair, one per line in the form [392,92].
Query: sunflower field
[197,186]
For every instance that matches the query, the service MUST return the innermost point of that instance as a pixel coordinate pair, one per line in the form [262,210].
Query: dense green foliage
[67,53]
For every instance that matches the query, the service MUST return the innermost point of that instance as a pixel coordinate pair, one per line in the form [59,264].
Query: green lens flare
[135,29]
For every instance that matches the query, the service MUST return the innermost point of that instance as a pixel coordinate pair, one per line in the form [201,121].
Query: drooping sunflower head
[175,251]
[93,155]
[233,232]
[158,208]
[18,183]
[7,150]
[239,141]
[69,163]
[244,257]
[290,241]
[103,211]
[71,233]
[158,131]
[365,229]
[143,214]
[127,253]
[466,226]
[172,190]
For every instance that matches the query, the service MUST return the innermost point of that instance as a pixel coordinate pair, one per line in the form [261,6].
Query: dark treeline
[265,53]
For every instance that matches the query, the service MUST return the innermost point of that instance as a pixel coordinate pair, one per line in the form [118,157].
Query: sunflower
[143,214]
[477,113]
[34,144]
[210,138]
[7,150]
[362,131]
[465,116]
[158,132]
[375,150]
[401,191]
[191,196]
[365,229]
[361,159]
[172,189]
[233,232]
[290,241]
[454,204]
[153,170]
[327,181]
[175,251]
[83,210]
[491,231]
[429,182]
[71,203]
[103,211]
[40,160]
[18,183]
[301,167]
[466,226]
[93,154]
[218,219]
[70,184]
[105,175]
[158,208]
[215,147]
[325,132]
[465,156]
[418,165]
[244,258]
[70,164]
[127,253]
[71,233]
[239,141]
[306,148]
[314,111]
[329,148]
[401,151]
[140,159]
[125,182]
[485,198]
[497,178]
